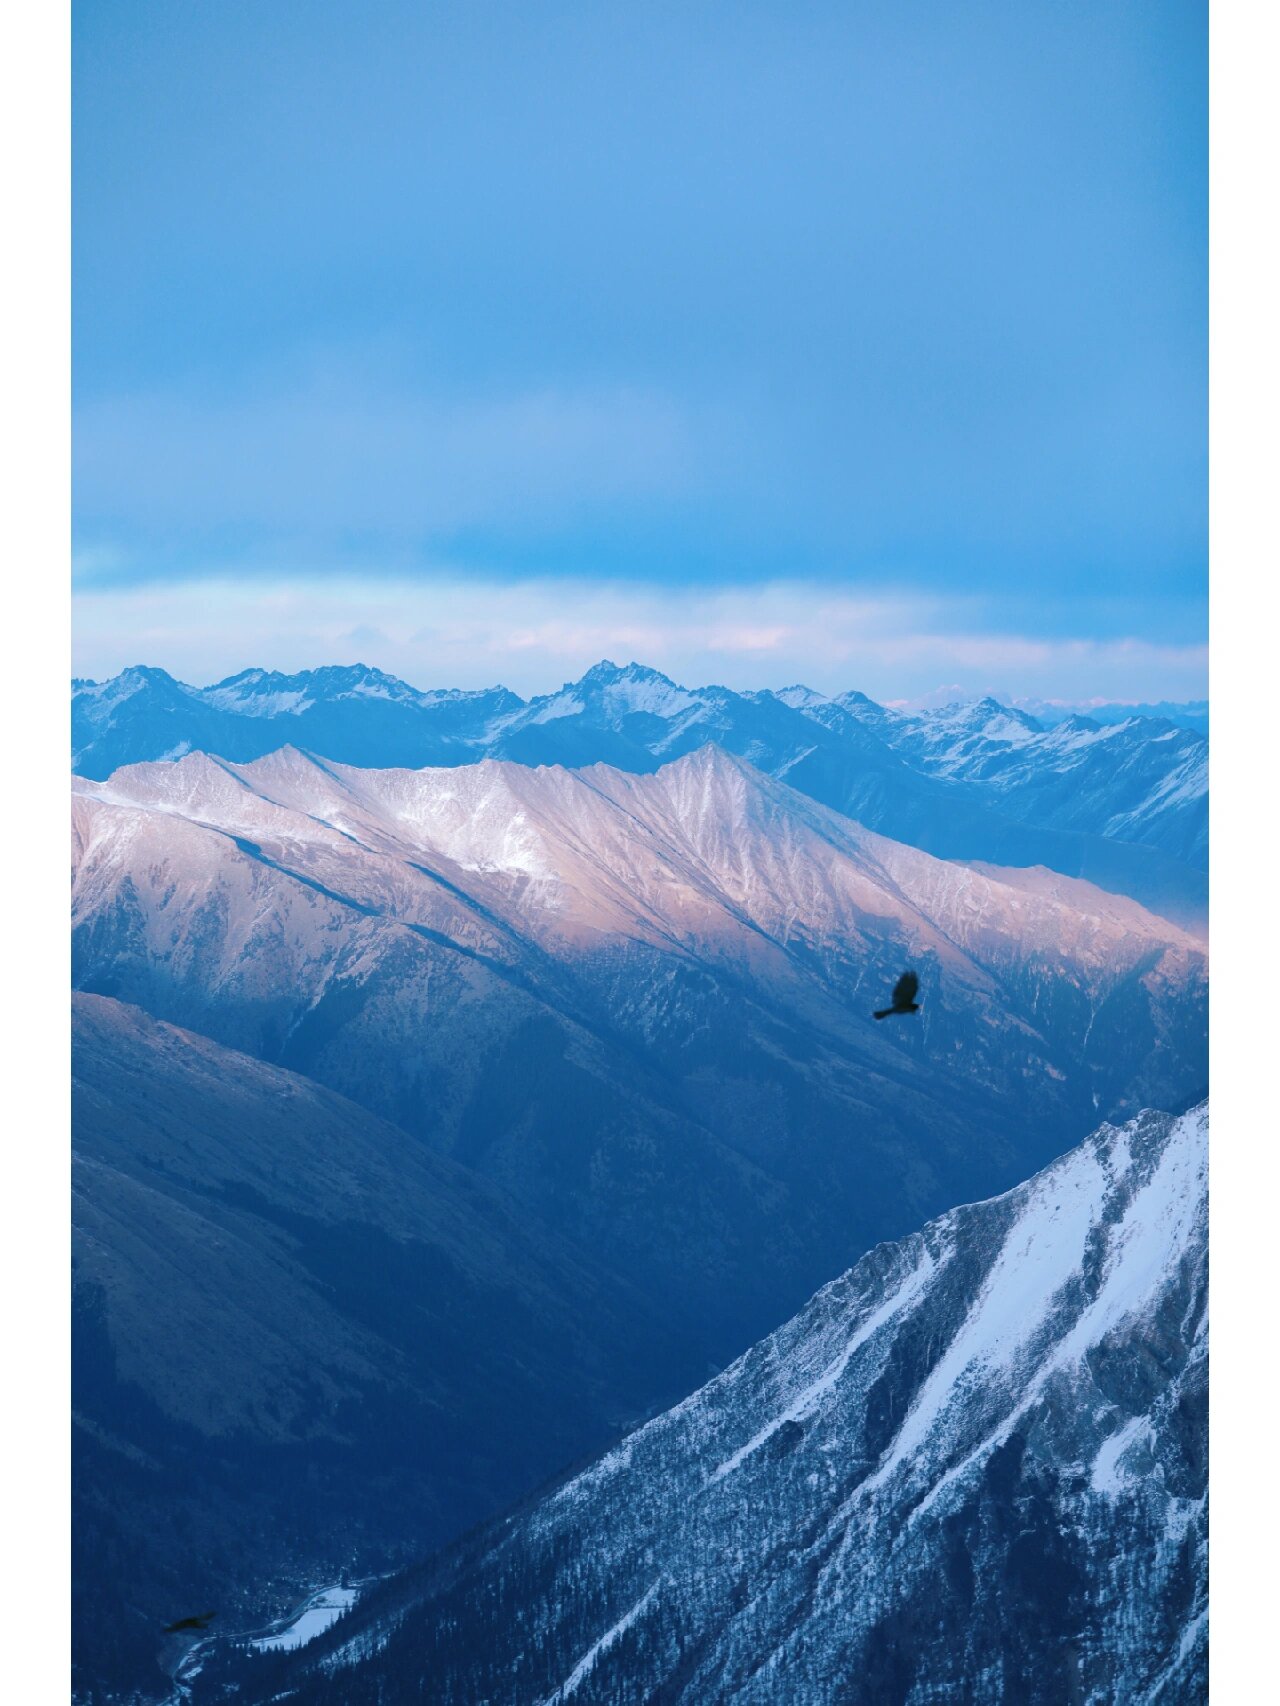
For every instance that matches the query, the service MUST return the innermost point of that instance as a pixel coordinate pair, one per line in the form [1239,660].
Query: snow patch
[320,1613]
[291,703]
[586,1664]
[1109,1475]
[562,705]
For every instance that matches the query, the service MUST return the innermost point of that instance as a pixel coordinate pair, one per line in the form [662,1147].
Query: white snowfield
[321,1612]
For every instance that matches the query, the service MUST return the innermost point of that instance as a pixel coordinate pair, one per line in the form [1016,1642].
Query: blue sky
[859,343]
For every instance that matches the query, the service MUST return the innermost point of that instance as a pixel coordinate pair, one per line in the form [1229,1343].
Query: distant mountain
[1136,780]
[1190,714]
[1128,814]
[973,1468]
[640,1004]
[356,714]
[303,1341]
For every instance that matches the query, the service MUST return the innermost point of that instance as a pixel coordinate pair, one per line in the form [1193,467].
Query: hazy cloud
[533,635]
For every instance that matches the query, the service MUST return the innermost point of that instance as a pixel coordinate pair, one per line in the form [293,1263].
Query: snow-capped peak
[268,693]
[987,717]
[800,697]
[618,692]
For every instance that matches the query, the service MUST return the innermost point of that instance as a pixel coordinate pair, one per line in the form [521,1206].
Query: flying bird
[201,1622]
[904,996]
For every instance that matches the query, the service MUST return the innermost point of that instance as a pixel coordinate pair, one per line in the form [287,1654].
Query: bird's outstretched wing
[904,991]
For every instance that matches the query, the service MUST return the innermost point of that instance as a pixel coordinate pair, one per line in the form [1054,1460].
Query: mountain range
[972,1468]
[436,1123]
[1185,713]
[1122,804]
[639,1004]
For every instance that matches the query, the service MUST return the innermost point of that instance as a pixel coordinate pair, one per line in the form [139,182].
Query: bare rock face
[973,1468]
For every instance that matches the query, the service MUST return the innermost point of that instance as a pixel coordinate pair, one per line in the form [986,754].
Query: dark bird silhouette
[904,996]
[183,1623]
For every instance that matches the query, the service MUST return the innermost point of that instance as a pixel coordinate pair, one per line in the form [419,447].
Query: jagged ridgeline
[1123,804]
[973,1468]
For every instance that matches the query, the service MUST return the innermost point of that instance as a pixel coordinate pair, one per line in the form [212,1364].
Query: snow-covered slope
[979,782]
[972,1469]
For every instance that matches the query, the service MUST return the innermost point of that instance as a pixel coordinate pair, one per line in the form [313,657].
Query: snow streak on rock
[973,1468]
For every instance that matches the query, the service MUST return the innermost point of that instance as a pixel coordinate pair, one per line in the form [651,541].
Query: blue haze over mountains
[460,1080]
